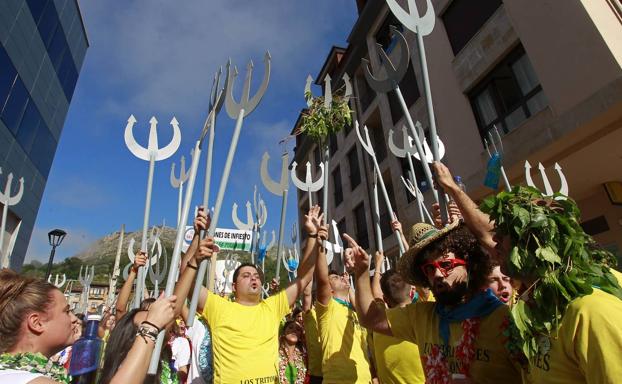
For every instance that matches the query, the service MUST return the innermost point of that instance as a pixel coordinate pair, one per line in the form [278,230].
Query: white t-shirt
[15,376]
[196,333]
[181,352]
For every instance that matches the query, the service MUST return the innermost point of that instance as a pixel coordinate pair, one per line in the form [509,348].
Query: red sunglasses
[445,266]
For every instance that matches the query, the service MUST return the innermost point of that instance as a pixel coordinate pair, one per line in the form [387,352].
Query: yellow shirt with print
[314,347]
[588,346]
[492,363]
[344,345]
[245,339]
[397,361]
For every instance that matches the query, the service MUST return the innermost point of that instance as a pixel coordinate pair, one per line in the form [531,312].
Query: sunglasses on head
[445,266]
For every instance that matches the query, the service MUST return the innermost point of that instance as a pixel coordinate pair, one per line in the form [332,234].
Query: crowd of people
[511,291]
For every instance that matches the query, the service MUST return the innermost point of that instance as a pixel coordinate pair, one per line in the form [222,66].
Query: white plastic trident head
[87,278]
[308,185]
[426,148]
[328,91]
[277,188]
[393,75]
[291,262]
[152,148]
[411,20]
[58,283]
[548,190]
[176,182]
[265,238]
[261,214]
[246,103]
[5,197]
[333,248]
[158,275]
[418,195]
[261,211]
[294,233]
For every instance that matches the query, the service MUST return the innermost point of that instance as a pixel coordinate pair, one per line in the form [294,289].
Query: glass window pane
[36,8]
[28,127]
[15,105]
[7,76]
[525,75]
[486,107]
[515,118]
[507,88]
[43,149]
[57,48]
[537,103]
[48,23]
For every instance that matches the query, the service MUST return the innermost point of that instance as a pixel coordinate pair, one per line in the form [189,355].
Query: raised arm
[307,297]
[187,278]
[126,290]
[371,312]
[376,290]
[315,230]
[397,226]
[133,369]
[477,221]
[201,223]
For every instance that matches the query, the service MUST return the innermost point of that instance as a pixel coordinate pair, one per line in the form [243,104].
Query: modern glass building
[42,48]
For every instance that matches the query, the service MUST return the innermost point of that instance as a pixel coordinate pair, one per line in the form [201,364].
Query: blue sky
[157,58]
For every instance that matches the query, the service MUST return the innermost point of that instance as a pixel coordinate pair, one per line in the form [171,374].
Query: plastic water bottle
[85,354]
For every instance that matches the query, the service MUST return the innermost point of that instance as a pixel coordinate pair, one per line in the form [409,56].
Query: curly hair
[465,246]
[20,296]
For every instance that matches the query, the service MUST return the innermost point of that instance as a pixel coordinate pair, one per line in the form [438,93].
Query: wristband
[151,324]
[192,266]
[313,235]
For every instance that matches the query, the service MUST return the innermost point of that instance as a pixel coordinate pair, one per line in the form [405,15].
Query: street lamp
[55,237]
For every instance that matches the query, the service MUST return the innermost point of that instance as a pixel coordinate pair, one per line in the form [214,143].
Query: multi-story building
[547,75]
[42,48]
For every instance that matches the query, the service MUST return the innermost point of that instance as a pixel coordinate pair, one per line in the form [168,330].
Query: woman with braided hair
[36,323]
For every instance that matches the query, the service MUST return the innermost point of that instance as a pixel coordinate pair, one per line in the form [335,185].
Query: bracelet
[314,235]
[147,333]
[192,266]
[151,324]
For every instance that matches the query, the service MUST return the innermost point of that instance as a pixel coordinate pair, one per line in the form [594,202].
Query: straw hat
[419,237]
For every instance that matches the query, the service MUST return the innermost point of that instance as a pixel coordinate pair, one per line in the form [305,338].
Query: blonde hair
[20,296]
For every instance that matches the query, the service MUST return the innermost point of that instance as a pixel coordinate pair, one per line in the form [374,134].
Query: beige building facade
[547,75]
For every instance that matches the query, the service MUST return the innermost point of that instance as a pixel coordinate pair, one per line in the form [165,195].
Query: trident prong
[246,103]
[426,148]
[333,248]
[152,148]
[158,275]
[548,190]
[249,217]
[7,200]
[490,140]
[417,194]
[394,75]
[328,91]
[58,283]
[421,25]
[308,185]
[86,281]
[183,173]
[279,187]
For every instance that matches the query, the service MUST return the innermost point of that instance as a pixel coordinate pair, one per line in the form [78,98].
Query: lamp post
[55,237]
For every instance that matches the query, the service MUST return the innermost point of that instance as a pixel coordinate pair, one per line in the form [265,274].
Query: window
[509,95]
[355,172]
[362,237]
[463,20]
[7,76]
[365,94]
[419,175]
[28,126]
[410,92]
[380,145]
[332,143]
[15,106]
[48,22]
[341,226]
[384,36]
[43,149]
[337,186]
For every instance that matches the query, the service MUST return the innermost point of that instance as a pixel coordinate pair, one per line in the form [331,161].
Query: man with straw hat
[466,335]
[569,313]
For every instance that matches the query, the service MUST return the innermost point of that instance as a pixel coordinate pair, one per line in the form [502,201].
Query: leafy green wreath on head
[319,122]
[550,248]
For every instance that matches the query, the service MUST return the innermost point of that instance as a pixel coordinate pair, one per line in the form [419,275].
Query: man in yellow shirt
[344,341]
[396,361]
[312,337]
[570,322]
[461,336]
[245,332]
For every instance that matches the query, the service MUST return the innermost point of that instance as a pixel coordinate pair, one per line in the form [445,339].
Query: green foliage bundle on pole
[552,253]
[319,122]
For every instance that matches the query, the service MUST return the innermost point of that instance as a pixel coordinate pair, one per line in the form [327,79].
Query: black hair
[334,272]
[236,273]
[301,342]
[394,287]
[465,246]
[119,344]
[145,304]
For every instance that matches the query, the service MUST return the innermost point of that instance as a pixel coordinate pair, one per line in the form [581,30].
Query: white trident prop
[333,248]
[153,255]
[391,82]
[366,144]
[280,189]
[261,214]
[328,102]
[7,200]
[308,185]
[236,111]
[158,275]
[115,270]
[262,245]
[86,281]
[58,282]
[151,154]
[379,246]
[548,190]
[490,140]
[178,183]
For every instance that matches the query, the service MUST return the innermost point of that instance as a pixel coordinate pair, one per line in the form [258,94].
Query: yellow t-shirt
[245,339]
[397,361]
[314,347]
[588,346]
[344,345]
[491,362]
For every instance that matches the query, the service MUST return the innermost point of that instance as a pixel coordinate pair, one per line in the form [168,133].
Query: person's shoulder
[597,302]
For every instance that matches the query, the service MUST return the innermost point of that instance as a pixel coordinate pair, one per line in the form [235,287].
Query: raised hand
[207,247]
[359,258]
[162,311]
[378,260]
[313,220]
[140,260]
[396,225]
[202,221]
[443,176]
[454,214]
